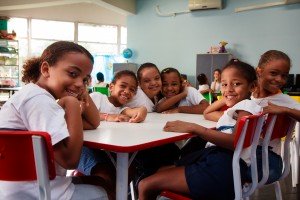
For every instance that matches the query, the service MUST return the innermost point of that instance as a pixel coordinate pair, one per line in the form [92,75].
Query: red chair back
[281,127]
[250,129]
[17,156]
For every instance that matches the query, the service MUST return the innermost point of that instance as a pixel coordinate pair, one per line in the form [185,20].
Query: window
[52,30]
[101,40]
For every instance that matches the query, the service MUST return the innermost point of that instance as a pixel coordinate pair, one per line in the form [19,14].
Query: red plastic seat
[27,156]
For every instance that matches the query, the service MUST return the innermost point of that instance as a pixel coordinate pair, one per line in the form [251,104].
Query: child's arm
[136,114]
[168,103]
[275,109]
[213,112]
[196,109]
[220,139]
[114,117]
[90,116]
[67,152]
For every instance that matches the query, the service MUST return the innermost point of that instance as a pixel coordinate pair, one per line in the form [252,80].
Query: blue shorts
[210,170]
[210,175]
[90,158]
[275,166]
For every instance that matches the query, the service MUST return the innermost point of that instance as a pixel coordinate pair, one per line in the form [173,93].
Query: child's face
[272,77]
[123,90]
[150,82]
[234,87]
[170,84]
[68,77]
[217,75]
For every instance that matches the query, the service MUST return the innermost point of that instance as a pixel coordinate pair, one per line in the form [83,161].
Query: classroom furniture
[102,90]
[207,63]
[27,156]
[125,138]
[124,66]
[209,97]
[249,130]
[9,62]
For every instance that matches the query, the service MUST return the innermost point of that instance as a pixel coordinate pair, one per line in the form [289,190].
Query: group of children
[55,100]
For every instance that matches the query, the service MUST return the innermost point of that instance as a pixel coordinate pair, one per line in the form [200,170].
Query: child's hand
[139,116]
[274,109]
[179,126]
[84,100]
[174,110]
[117,118]
[68,101]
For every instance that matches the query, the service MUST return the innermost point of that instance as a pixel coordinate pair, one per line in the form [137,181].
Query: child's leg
[85,191]
[96,162]
[172,179]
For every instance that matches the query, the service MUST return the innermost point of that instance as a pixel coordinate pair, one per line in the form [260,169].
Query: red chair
[247,135]
[27,156]
[279,127]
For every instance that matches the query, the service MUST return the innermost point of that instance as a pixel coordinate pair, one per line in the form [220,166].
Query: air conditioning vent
[205,4]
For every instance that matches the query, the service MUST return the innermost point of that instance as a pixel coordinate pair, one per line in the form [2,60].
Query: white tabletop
[130,137]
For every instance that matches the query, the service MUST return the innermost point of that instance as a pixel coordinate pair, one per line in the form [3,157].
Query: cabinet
[124,66]
[207,63]
[9,63]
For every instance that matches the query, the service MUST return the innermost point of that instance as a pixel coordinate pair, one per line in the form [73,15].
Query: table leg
[122,176]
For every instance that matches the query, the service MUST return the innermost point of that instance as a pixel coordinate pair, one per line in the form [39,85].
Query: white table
[124,138]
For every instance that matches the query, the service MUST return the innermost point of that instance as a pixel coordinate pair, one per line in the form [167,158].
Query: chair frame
[37,162]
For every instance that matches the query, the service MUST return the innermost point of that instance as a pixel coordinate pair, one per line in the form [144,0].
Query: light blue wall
[175,41]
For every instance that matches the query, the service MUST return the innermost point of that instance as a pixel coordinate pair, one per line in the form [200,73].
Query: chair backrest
[27,156]
[208,96]
[247,134]
[277,127]
[102,90]
[248,125]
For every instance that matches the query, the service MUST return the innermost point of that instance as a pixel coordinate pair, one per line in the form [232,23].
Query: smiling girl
[208,170]
[54,100]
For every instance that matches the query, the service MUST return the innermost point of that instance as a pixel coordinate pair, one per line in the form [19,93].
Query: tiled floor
[288,192]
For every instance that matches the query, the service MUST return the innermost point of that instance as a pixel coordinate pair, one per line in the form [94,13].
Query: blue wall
[175,41]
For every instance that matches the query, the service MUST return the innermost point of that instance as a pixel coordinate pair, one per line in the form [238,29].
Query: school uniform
[104,106]
[141,99]
[193,98]
[216,86]
[279,99]
[209,171]
[203,87]
[35,109]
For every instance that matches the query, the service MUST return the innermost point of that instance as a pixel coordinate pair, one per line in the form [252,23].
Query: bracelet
[105,116]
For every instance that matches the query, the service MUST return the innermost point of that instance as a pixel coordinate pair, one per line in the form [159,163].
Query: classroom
[139,42]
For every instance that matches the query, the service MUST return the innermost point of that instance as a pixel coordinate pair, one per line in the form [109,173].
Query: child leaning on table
[207,173]
[148,92]
[54,100]
[122,89]
[178,99]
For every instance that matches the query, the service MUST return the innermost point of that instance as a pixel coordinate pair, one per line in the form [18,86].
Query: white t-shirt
[217,87]
[35,109]
[193,98]
[203,87]
[141,99]
[279,99]
[228,120]
[103,105]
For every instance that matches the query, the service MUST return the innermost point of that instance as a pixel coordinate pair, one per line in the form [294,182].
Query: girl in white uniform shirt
[55,100]
[122,88]
[148,92]
[272,71]
[177,99]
